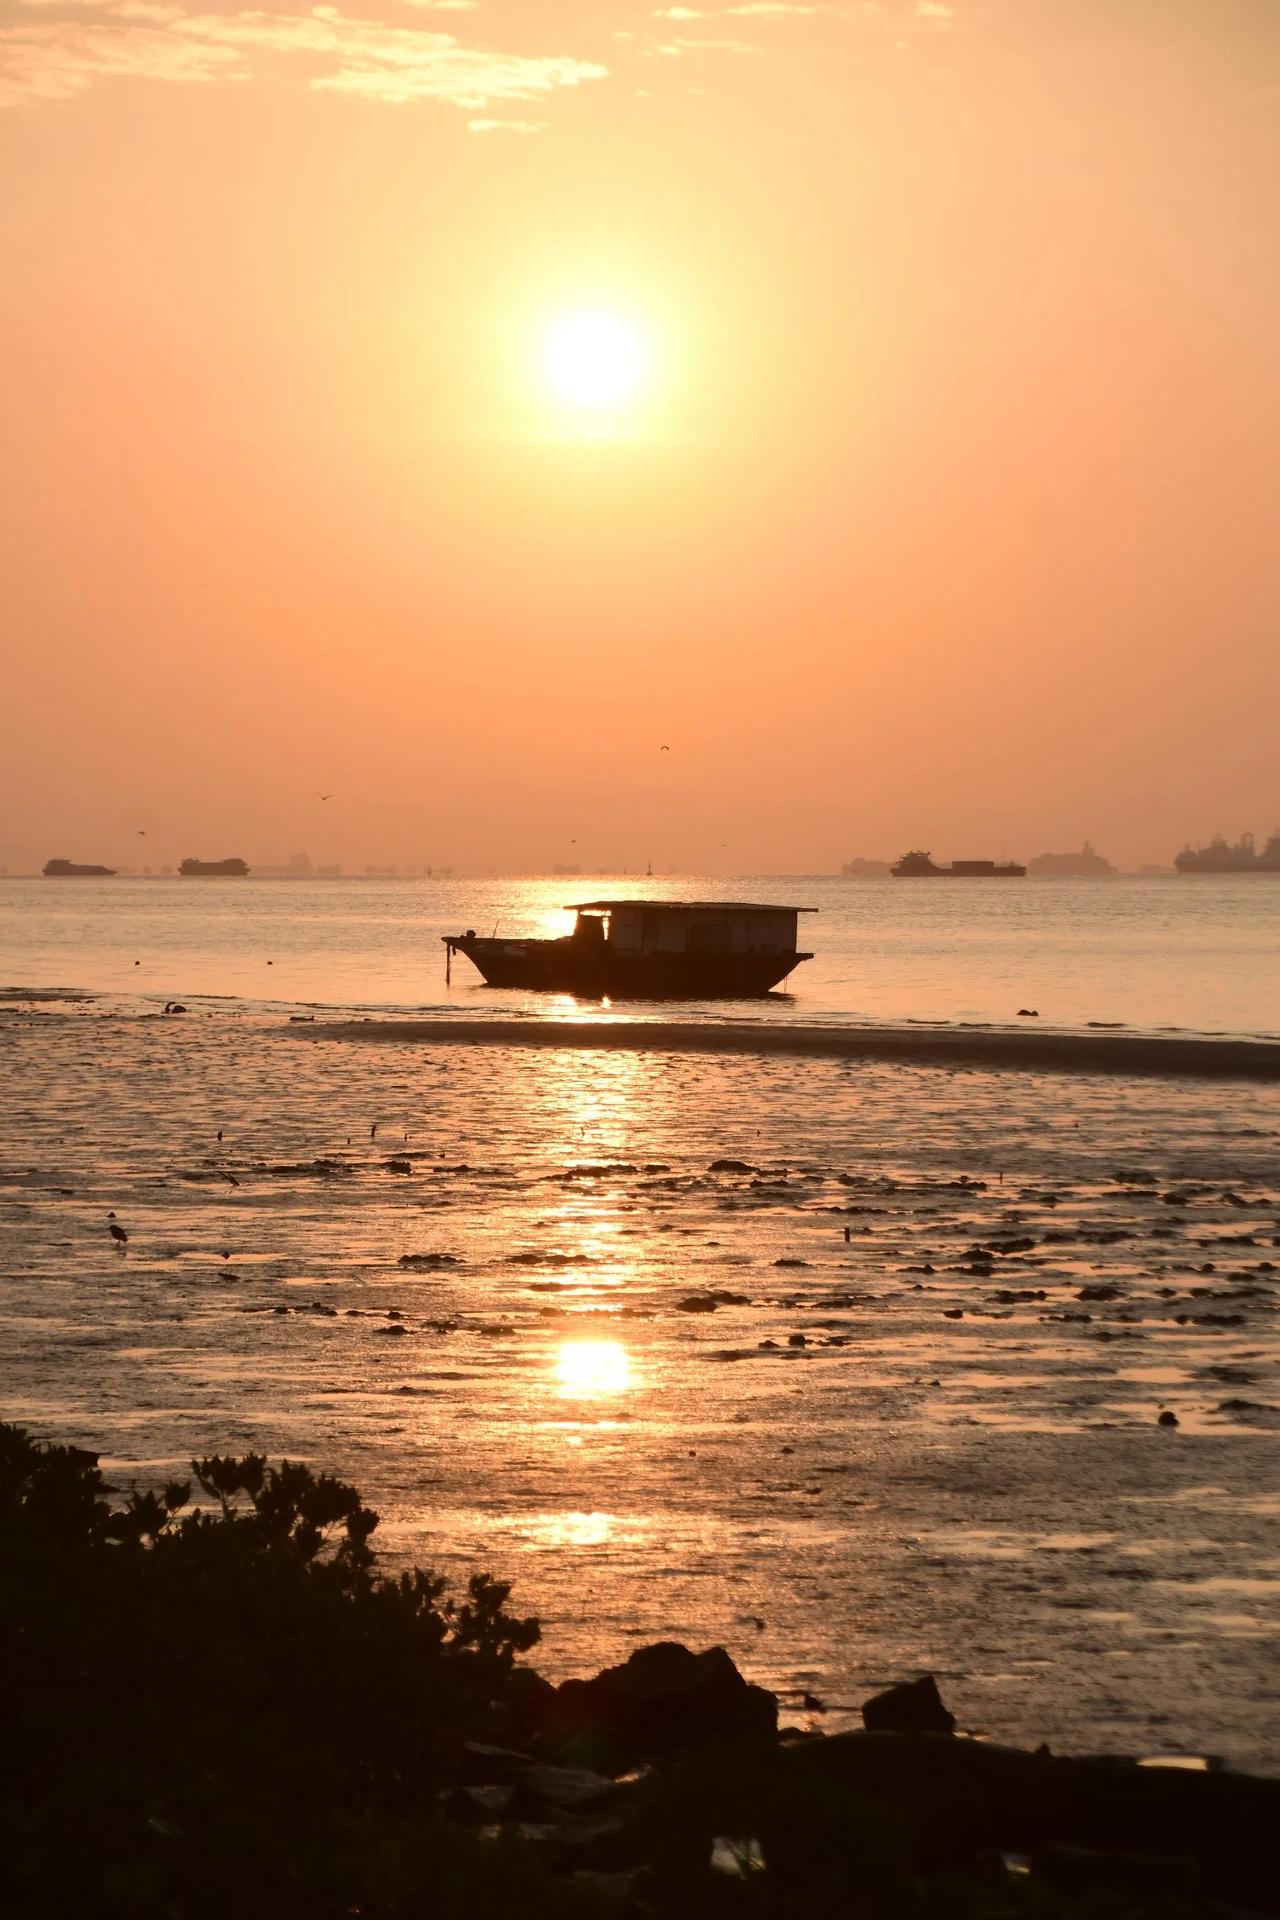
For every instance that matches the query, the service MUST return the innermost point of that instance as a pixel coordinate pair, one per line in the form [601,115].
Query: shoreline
[1158,1055]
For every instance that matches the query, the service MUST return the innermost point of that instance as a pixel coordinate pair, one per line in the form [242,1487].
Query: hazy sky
[942,508]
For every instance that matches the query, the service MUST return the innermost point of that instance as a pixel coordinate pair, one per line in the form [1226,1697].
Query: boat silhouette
[648,950]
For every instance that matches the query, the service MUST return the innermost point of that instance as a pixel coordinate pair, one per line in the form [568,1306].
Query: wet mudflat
[856,1368]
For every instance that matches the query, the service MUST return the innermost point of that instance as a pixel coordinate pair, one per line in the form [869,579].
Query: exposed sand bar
[1171,1055]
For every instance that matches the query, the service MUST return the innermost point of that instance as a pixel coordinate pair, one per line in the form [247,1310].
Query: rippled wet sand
[881,1397]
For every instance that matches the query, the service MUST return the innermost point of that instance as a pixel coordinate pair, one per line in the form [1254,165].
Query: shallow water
[1197,954]
[831,1475]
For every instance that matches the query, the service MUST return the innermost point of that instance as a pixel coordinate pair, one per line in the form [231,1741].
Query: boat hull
[562,966]
[959,873]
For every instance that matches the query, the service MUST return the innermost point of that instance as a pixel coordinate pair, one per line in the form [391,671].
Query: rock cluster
[700,1755]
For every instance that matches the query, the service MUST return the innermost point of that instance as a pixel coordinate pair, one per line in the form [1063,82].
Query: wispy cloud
[678,49]
[55,59]
[507,126]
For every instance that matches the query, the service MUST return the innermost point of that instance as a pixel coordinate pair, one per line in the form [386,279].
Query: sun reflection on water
[592,1369]
[576,1530]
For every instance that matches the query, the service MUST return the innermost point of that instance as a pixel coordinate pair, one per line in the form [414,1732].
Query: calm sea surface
[853,1368]
[1198,954]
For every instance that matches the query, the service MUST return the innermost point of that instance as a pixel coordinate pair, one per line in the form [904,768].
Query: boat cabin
[687,926]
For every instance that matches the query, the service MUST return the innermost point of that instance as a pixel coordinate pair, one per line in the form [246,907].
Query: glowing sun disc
[592,359]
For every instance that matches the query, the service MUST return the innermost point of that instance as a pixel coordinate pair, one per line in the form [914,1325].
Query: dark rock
[480,1764]
[399,1165]
[427,1262]
[1167,1419]
[483,1805]
[666,1699]
[732,1166]
[542,1790]
[914,1707]
[697,1303]
[970,1794]
[613,1896]
[1146,1875]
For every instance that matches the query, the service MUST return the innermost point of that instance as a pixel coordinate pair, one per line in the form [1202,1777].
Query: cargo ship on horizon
[233,869]
[76,870]
[919,865]
[1219,857]
[1061,866]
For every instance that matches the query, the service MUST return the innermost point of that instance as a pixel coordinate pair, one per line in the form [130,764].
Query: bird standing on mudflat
[118,1234]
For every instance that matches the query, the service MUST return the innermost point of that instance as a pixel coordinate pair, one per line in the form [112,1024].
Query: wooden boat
[648,950]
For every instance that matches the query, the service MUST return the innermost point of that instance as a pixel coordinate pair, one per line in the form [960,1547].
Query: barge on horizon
[919,865]
[648,950]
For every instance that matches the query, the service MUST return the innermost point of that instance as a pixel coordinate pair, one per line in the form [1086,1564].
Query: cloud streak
[43,58]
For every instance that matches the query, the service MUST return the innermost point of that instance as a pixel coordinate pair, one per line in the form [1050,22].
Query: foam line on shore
[1175,1056]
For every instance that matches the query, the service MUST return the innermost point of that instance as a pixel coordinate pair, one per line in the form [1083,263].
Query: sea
[855,1368]
[1197,954]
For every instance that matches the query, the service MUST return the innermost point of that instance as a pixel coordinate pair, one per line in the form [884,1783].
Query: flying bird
[324,796]
[664,749]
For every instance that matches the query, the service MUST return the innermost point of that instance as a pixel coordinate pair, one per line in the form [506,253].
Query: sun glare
[589,1369]
[593,359]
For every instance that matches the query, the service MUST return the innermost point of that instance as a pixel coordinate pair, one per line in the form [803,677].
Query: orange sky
[944,511]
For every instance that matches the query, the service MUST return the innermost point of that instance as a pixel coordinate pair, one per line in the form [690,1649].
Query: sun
[593,359]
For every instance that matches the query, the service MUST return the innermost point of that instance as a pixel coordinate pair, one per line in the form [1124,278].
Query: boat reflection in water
[592,1369]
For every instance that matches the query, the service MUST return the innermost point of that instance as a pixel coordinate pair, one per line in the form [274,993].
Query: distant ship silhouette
[75,870]
[1087,861]
[234,868]
[919,865]
[1218,857]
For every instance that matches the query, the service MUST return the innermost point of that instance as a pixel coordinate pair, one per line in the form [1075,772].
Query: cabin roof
[685,906]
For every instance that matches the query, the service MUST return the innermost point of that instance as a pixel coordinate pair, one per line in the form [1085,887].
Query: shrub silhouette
[215,1705]
[225,1708]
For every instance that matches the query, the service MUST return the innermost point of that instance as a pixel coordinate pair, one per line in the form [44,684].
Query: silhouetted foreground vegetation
[216,1705]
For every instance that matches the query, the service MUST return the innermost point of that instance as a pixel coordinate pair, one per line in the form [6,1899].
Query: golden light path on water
[851,1369]
[592,1369]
